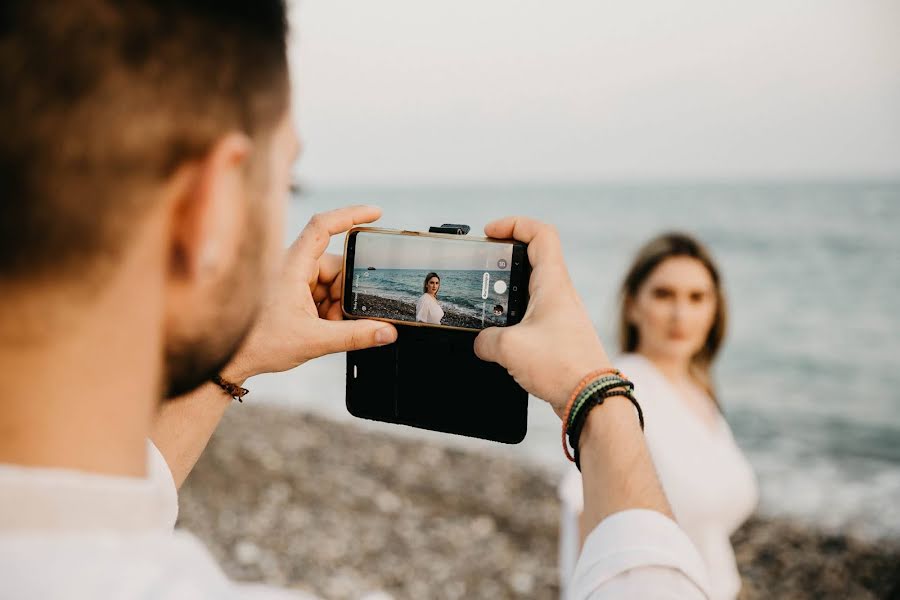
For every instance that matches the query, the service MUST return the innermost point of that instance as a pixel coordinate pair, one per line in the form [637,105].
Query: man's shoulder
[108,565]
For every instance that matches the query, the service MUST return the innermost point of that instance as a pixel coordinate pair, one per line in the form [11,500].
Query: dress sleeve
[638,554]
[421,309]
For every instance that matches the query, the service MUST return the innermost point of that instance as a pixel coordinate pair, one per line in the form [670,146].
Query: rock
[246,552]
[388,308]
[291,499]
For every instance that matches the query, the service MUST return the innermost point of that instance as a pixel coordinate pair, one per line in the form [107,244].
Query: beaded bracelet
[607,382]
[598,399]
[581,384]
[232,389]
[599,385]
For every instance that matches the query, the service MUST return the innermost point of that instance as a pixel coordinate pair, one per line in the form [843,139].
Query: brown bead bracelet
[232,389]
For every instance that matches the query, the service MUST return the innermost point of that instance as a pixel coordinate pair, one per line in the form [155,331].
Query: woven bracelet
[568,410]
[600,385]
[578,426]
[583,392]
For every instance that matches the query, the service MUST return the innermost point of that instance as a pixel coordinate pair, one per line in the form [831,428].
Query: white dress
[708,481]
[428,310]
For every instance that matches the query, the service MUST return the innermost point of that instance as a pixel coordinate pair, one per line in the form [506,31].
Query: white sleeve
[421,310]
[639,554]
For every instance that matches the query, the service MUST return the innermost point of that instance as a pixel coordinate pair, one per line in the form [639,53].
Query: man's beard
[195,358]
[191,363]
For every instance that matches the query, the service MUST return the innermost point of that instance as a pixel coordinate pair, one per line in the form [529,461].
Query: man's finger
[320,293]
[314,238]
[330,266]
[544,249]
[542,239]
[335,290]
[334,311]
[342,336]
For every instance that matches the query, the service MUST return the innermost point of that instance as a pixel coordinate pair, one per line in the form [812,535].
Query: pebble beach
[296,500]
[386,308]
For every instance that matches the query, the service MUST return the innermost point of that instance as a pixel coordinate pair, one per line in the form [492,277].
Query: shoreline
[297,500]
[389,308]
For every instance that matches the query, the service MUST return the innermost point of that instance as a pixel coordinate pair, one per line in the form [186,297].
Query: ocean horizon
[460,288]
[808,377]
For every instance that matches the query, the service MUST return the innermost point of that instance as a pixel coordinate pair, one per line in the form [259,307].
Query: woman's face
[674,309]
[433,285]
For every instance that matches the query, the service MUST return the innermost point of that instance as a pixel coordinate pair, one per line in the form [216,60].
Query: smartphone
[434,279]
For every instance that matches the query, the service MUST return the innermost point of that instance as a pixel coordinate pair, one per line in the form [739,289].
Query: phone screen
[470,284]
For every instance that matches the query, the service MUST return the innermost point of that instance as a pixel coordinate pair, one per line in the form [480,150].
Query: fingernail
[385,335]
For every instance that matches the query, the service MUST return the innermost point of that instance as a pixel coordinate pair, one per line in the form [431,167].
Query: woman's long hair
[427,278]
[650,256]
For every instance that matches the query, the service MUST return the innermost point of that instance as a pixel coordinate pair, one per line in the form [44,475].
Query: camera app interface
[431,280]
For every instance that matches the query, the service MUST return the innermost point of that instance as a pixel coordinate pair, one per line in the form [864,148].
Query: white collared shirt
[73,535]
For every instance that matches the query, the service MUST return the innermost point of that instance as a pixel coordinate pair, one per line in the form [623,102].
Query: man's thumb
[341,336]
[488,344]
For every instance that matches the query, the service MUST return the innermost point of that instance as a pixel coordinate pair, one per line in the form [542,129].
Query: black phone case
[431,379]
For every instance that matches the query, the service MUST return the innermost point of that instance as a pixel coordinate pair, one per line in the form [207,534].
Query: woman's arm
[422,309]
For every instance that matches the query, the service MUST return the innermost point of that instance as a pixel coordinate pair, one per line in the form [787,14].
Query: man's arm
[635,549]
[183,427]
[301,320]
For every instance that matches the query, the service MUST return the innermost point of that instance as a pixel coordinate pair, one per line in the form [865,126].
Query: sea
[809,376]
[460,291]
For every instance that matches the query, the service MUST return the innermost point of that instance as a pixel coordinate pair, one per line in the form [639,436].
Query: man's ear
[207,209]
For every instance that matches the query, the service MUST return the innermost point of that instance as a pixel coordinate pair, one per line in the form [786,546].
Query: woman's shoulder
[650,386]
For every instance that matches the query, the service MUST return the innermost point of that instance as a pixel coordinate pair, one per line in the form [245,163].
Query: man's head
[146,132]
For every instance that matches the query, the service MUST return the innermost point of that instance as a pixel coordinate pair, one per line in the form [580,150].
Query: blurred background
[769,129]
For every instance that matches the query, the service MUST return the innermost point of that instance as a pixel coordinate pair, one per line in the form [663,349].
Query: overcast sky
[477,91]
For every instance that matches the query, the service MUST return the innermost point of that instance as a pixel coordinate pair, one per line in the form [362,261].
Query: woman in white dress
[428,309]
[672,323]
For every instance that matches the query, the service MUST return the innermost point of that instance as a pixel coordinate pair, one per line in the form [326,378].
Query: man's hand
[555,344]
[548,353]
[301,319]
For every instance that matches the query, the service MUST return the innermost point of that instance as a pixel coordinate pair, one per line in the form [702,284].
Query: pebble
[246,552]
[290,499]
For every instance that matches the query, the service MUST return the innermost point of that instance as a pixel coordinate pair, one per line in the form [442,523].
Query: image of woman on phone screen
[672,323]
[428,309]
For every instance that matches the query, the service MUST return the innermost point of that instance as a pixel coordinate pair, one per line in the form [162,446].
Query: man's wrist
[577,373]
[237,371]
[611,419]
